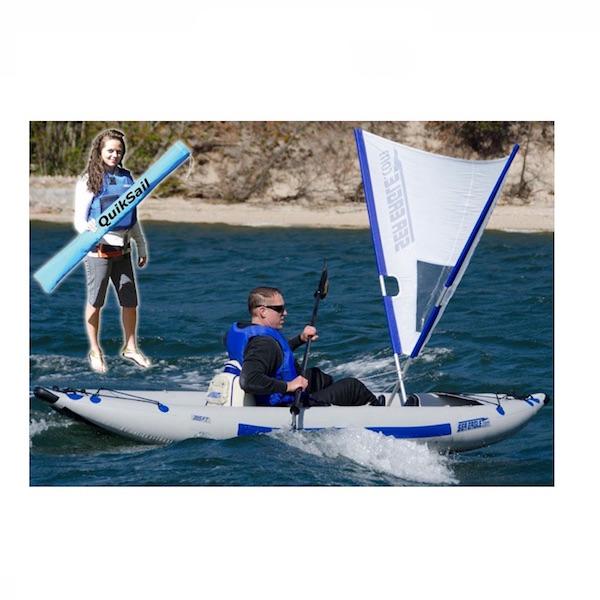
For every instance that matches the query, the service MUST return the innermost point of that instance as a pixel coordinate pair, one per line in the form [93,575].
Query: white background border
[310,60]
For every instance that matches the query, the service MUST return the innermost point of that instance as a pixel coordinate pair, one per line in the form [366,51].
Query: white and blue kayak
[449,422]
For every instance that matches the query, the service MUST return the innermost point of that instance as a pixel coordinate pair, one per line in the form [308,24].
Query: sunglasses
[280,308]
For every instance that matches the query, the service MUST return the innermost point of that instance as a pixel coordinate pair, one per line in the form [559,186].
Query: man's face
[271,316]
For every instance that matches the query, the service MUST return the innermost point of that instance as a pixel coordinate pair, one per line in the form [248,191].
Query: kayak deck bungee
[450,422]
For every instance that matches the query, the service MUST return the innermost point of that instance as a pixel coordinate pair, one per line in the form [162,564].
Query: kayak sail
[427,213]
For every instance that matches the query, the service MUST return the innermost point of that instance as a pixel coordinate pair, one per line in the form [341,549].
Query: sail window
[391,285]
[430,283]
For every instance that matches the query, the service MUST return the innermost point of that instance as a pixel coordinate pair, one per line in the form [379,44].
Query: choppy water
[496,335]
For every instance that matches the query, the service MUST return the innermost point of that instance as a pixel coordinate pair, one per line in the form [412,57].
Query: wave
[431,355]
[51,364]
[189,372]
[379,372]
[40,425]
[403,459]
[380,369]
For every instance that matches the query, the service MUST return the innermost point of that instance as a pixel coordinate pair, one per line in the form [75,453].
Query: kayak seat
[225,389]
[239,397]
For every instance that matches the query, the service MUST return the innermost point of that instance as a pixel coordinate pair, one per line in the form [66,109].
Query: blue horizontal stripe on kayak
[244,429]
[414,432]
[423,431]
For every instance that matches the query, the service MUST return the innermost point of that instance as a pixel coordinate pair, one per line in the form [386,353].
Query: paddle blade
[323,288]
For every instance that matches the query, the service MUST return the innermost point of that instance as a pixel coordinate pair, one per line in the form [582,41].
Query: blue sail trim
[431,319]
[435,311]
[392,326]
[370,198]
[380,259]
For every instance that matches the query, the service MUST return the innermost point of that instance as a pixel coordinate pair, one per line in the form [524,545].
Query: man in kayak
[269,371]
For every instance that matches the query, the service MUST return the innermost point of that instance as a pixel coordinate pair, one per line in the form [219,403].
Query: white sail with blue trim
[427,213]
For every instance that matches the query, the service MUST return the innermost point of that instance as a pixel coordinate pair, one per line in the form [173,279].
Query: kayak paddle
[320,294]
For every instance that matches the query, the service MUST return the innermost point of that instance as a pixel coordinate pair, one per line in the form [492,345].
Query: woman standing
[102,182]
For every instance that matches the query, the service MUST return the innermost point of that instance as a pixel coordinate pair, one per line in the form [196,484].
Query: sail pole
[379,258]
[400,385]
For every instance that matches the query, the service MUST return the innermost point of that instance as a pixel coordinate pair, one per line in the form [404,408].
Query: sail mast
[379,257]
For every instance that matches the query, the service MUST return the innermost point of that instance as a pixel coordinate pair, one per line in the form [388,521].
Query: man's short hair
[260,296]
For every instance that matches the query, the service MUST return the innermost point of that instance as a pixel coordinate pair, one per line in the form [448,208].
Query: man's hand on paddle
[309,332]
[298,382]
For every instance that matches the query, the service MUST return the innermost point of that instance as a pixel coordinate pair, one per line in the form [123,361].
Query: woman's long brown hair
[95,167]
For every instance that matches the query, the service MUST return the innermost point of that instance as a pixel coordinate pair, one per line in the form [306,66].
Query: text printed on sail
[397,201]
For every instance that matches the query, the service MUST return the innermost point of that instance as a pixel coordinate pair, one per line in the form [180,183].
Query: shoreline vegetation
[287,174]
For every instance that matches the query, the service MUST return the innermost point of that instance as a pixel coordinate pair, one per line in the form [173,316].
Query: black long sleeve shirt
[262,358]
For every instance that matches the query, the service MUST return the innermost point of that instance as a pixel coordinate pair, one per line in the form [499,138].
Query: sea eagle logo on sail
[396,199]
[121,204]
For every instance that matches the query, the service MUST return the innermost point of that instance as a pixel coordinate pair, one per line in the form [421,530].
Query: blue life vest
[113,186]
[237,339]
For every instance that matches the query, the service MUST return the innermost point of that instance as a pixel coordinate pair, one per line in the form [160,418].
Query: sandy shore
[350,216]
[54,203]
[345,216]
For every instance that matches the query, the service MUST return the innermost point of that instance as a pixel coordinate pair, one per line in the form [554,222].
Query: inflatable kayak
[450,422]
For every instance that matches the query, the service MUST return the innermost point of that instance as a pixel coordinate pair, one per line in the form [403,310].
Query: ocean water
[496,335]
